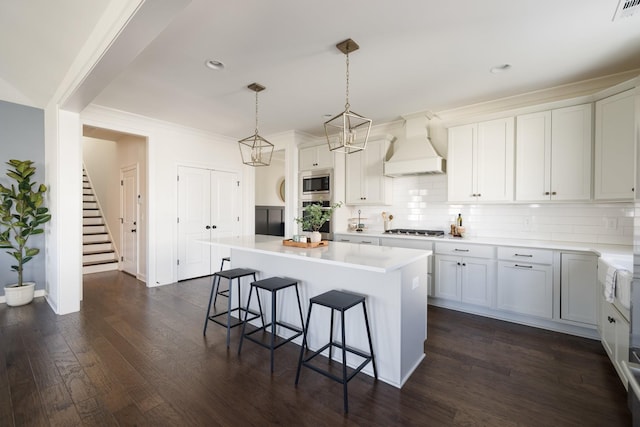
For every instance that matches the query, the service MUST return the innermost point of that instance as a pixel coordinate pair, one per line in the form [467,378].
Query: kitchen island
[394,280]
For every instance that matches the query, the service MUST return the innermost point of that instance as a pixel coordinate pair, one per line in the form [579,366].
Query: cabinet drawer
[529,255]
[364,240]
[465,249]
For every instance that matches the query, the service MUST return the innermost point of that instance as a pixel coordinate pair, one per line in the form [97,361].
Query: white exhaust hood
[414,155]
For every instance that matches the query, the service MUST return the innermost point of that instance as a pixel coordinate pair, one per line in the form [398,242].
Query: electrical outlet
[611,223]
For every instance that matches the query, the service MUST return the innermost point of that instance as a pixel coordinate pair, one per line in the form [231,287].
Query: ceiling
[414,56]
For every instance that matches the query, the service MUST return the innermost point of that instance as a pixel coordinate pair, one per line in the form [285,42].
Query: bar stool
[273,285]
[338,301]
[234,273]
[225,292]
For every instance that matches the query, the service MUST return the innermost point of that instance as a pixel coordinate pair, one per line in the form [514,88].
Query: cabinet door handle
[461,250]
[611,319]
[546,193]
[464,264]
[523,255]
[345,240]
[553,193]
[208,227]
[366,242]
[522,266]
[458,263]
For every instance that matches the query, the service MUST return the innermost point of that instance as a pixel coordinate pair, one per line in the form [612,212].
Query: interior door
[129,220]
[208,207]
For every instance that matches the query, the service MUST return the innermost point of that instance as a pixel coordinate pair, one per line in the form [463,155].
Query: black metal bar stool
[234,273]
[273,285]
[224,292]
[338,301]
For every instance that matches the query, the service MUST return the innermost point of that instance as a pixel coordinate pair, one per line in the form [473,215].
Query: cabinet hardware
[464,264]
[553,193]
[208,227]
[458,263]
[546,193]
[611,319]
[461,250]
[523,255]
[523,266]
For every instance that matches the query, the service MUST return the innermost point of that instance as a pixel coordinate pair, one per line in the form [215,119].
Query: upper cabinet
[480,162]
[365,180]
[614,162]
[318,157]
[553,154]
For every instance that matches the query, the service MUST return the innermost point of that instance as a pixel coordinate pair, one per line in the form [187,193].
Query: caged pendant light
[254,149]
[347,132]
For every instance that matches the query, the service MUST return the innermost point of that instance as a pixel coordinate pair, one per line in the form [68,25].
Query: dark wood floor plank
[59,406]
[136,356]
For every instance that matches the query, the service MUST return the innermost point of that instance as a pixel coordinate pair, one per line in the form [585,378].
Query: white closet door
[208,207]
[194,213]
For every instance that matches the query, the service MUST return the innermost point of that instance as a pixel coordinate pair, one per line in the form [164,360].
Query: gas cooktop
[411,232]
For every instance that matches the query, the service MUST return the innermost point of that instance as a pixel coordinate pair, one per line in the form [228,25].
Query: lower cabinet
[465,279]
[578,288]
[614,333]
[525,288]
[525,281]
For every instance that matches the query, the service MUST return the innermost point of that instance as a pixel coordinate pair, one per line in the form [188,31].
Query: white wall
[268,181]
[168,146]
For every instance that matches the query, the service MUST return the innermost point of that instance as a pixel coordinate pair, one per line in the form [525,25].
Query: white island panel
[394,281]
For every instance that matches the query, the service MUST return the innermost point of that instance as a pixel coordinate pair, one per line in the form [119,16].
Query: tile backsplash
[421,202]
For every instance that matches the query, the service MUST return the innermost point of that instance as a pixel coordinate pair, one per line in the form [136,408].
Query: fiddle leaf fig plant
[21,213]
[315,216]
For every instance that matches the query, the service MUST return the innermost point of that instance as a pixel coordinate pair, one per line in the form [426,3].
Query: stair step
[97,268]
[93,229]
[93,220]
[95,238]
[96,246]
[98,257]
[89,205]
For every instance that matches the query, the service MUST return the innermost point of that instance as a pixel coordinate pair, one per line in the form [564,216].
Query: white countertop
[381,259]
[597,248]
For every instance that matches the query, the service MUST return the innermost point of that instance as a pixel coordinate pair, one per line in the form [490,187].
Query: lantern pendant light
[347,132]
[254,149]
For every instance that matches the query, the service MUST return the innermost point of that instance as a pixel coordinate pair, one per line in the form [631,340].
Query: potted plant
[21,216]
[314,217]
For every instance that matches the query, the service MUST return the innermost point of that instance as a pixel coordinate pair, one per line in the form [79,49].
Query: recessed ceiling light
[500,68]
[214,65]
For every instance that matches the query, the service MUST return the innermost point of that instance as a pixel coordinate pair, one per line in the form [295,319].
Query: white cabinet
[318,157]
[614,335]
[553,154]
[481,161]
[614,147]
[365,180]
[349,238]
[578,285]
[465,278]
[525,281]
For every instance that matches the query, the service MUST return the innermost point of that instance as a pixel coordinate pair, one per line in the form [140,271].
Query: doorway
[129,197]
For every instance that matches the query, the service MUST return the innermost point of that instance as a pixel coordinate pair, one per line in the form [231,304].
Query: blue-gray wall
[22,138]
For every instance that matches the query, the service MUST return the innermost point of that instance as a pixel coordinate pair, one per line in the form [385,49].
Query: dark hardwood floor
[136,356]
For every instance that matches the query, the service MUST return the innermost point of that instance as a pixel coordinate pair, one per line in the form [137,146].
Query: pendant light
[254,149]
[347,132]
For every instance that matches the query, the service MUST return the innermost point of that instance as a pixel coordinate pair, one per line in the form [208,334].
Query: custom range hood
[414,154]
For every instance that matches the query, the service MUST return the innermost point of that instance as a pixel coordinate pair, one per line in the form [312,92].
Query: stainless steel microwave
[316,183]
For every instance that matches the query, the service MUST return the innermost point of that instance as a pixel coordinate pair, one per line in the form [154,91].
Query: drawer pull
[461,250]
[523,266]
[523,255]
[366,242]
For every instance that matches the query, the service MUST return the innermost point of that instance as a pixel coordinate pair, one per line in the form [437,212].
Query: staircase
[98,252]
